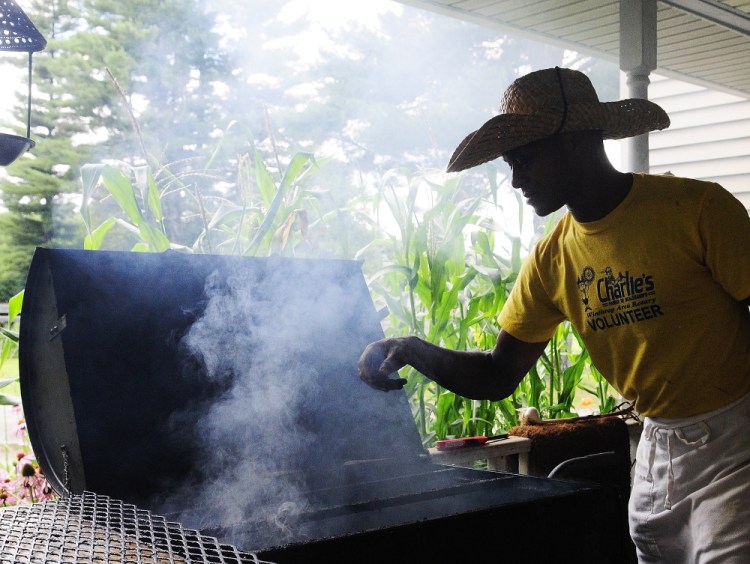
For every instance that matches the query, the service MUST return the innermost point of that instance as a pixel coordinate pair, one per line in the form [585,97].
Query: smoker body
[184,384]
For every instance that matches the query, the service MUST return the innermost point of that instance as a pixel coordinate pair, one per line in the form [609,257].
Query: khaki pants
[690,501]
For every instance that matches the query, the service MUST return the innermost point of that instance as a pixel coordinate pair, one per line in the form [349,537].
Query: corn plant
[606,396]
[264,217]
[449,271]
[9,346]
[271,217]
[439,259]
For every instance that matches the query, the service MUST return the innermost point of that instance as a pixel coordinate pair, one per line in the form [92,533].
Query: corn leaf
[93,241]
[118,184]
[12,335]
[6,399]
[152,197]
[15,304]
[154,239]
[90,174]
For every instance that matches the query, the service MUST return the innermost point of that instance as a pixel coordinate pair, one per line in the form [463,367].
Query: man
[654,272]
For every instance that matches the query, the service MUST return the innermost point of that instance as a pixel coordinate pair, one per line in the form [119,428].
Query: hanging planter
[18,34]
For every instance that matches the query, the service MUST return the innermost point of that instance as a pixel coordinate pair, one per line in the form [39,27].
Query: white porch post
[637,60]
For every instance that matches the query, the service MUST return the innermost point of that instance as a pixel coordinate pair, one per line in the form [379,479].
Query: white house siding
[709,137]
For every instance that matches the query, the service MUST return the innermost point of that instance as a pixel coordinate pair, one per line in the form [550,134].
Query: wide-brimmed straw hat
[551,101]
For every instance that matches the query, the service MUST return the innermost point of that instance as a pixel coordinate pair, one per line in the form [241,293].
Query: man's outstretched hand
[376,364]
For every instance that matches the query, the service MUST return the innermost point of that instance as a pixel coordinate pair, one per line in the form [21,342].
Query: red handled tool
[450,444]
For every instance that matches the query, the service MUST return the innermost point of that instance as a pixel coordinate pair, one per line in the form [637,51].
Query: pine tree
[34,191]
[105,63]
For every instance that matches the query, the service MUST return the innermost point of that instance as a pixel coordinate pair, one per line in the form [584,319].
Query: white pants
[690,501]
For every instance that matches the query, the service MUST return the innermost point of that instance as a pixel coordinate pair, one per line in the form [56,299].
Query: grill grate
[93,529]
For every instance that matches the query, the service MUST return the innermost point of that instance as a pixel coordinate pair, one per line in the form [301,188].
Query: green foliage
[143,221]
[14,264]
[140,83]
[443,261]
[9,346]
[271,216]
[438,289]
[100,53]
[601,389]
[37,212]
[449,267]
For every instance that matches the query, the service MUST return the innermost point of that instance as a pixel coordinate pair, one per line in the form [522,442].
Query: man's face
[541,170]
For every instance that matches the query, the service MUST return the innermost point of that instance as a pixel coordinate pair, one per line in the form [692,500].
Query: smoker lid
[142,374]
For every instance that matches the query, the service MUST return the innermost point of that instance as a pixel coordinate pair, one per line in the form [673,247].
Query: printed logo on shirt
[616,300]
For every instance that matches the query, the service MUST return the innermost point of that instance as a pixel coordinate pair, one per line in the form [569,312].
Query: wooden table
[506,455]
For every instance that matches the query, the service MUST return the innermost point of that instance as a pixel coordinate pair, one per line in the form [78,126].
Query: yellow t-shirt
[654,289]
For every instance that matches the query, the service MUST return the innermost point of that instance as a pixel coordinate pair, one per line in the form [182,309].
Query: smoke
[281,343]
[249,434]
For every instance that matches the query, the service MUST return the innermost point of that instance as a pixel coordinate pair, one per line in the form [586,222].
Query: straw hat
[548,102]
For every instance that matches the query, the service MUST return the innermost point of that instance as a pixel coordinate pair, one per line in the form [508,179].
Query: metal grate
[93,529]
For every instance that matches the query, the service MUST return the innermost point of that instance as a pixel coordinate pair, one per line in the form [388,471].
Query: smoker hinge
[57,328]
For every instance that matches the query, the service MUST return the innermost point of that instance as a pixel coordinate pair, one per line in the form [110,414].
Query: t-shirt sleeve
[725,231]
[529,314]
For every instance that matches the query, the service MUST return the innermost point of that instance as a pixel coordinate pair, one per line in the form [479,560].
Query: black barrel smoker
[222,392]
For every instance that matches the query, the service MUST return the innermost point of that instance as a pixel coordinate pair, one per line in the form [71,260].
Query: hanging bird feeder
[18,33]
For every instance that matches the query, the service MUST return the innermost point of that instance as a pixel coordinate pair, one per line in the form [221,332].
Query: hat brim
[505,132]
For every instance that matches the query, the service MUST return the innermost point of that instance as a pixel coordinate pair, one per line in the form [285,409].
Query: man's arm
[477,375]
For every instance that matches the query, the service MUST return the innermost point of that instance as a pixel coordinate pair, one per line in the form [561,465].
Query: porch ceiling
[705,42]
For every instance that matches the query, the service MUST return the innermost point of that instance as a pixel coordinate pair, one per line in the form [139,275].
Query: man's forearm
[472,374]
